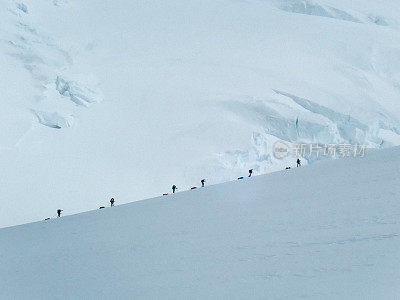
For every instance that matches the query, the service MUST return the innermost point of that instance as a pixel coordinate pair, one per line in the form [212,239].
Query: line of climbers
[174,188]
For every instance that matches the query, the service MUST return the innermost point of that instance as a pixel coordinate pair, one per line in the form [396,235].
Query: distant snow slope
[326,231]
[124,98]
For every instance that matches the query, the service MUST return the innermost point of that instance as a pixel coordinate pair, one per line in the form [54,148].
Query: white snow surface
[330,230]
[125,98]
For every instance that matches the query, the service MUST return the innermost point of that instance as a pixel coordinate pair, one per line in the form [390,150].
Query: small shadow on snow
[53,119]
[308,7]
[77,93]
[378,20]
[22,7]
[60,2]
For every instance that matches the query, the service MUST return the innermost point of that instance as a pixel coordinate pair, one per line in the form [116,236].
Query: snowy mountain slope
[124,99]
[326,231]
